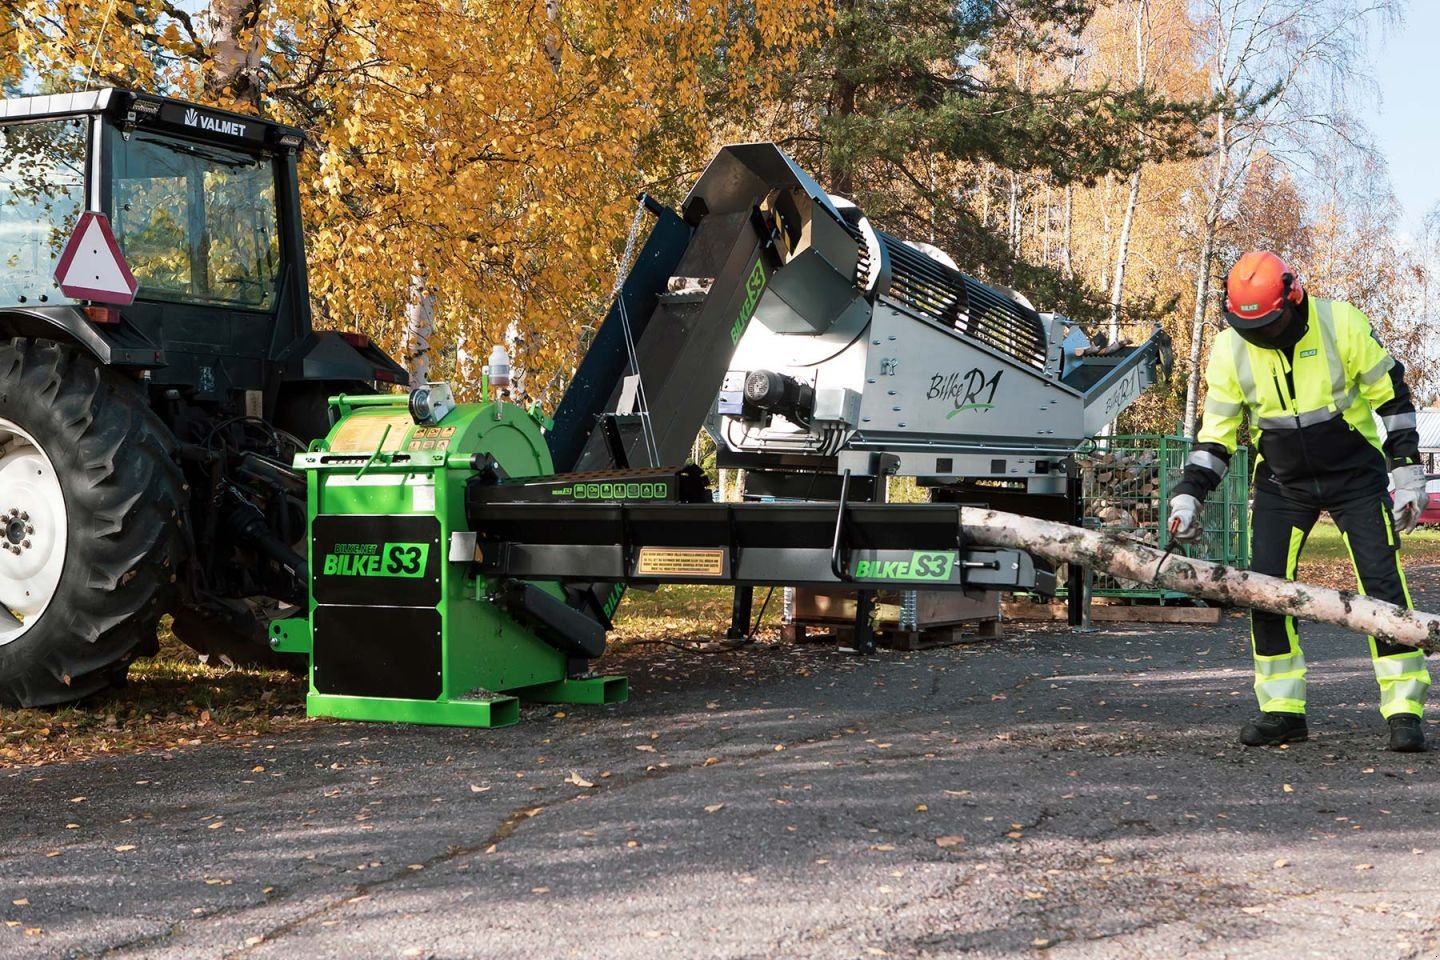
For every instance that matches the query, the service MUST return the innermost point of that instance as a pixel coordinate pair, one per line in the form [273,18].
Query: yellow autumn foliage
[486,155]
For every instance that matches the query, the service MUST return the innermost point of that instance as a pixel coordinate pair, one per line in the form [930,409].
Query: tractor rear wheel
[90,497]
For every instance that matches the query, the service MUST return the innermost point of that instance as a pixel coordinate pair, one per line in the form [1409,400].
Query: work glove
[1185,518]
[1410,496]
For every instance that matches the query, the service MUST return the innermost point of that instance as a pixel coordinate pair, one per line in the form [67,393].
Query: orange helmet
[1257,288]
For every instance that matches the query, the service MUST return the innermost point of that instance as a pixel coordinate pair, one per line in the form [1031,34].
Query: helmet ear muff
[1294,292]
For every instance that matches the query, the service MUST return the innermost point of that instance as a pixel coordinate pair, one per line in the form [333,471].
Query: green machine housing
[463,557]
[402,625]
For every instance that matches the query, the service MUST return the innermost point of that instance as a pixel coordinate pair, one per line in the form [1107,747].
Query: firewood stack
[1122,492]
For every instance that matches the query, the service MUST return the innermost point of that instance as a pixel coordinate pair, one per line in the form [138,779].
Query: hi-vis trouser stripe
[1403,678]
[1280,680]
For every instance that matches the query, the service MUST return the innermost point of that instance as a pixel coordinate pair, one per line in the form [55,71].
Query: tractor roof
[148,110]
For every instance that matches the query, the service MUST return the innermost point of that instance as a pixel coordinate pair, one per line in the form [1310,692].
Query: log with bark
[1126,557]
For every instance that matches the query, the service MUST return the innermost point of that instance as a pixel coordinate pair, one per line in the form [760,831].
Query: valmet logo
[919,565]
[377,560]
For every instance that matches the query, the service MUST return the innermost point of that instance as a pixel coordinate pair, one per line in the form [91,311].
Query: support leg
[740,608]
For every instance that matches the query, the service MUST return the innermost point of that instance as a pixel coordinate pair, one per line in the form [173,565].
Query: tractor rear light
[357,340]
[386,376]
[102,314]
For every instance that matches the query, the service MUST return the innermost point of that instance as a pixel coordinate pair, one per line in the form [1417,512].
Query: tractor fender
[64,325]
[327,355]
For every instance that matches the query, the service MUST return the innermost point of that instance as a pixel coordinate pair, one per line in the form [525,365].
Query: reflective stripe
[1244,375]
[1400,421]
[1307,419]
[1220,409]
[1208,461]
[1377,371]
[1404,681]
[1325,313]
[1399,666]
[1280,683]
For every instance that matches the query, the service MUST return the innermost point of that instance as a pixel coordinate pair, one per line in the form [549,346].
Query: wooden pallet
[1115,612]
[892,637]
[940,617]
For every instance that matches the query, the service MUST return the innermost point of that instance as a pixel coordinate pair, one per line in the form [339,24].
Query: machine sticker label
[972,390]
[705,562]
[923,565]
[365,432]
[617,490]
[753,287]
[617,592]
[377,560]
[1119,396]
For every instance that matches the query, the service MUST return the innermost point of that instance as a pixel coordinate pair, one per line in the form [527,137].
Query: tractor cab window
[197,222]
[42,191]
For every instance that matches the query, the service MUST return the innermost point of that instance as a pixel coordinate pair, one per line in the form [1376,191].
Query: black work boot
[1406,734]
[1273,729]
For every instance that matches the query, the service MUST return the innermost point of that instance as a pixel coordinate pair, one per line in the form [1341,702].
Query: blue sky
[1406,125]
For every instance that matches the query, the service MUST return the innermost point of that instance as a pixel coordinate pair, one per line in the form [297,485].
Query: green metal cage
[1126,485]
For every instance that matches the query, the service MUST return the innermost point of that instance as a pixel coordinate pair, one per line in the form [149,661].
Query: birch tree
[1286,69]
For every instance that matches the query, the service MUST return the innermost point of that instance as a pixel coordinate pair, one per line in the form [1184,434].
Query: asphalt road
[1052,793]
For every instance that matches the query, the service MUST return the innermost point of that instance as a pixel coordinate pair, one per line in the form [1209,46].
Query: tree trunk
[1134,560]
[1197,327]
[235,50]
[419,328]
[1122,252]
[1068,262]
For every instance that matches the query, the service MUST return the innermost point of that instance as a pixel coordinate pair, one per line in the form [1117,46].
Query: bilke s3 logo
[753,286]
[377,560]
[934,565]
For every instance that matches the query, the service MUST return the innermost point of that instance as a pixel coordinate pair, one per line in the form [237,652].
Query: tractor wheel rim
[33,531]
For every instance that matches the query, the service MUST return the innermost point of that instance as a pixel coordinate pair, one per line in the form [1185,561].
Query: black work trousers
[1280,524]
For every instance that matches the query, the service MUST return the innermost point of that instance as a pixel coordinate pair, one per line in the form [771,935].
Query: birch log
[1131,559]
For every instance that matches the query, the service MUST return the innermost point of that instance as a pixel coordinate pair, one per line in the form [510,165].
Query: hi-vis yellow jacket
[1310,409]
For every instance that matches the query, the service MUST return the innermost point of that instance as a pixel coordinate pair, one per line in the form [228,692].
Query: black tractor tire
[121,487]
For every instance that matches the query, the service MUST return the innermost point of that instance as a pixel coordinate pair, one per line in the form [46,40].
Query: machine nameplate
[376,560]
[364,433]
[972,390]
[655,562]
[929,566]
[373,560]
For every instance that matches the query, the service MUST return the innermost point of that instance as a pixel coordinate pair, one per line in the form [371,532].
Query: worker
[1312,375]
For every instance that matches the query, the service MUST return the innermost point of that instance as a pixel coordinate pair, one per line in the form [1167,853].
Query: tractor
[146,448]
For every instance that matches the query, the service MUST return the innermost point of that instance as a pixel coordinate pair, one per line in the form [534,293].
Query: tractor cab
[178,331]
[204,207]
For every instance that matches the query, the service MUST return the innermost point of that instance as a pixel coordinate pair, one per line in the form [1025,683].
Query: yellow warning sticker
[362,433]
[656,562]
